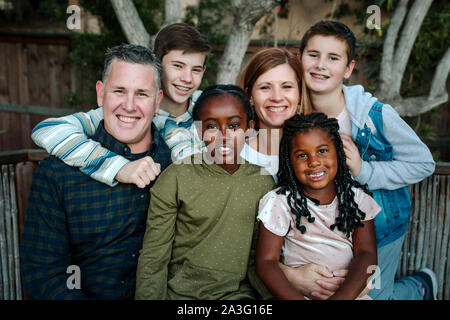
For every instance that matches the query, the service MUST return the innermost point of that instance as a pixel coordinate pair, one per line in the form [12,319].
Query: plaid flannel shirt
[74,220]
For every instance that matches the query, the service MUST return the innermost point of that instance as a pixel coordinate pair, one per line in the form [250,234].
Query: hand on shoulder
[140,172]
[353,158]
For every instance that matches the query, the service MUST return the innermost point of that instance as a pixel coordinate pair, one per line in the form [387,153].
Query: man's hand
[354,161]
[140,172]
[313,280]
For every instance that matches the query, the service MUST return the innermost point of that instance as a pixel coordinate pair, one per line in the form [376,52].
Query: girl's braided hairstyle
[350,216]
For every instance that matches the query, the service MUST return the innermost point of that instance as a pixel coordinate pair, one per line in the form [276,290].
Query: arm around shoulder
[412,160]
[68,139]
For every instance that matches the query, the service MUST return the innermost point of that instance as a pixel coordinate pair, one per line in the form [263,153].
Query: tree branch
[414,106]
[173,12]
[395,60]
[438,93]
[408,36]
[440,76]
[130,22]
[246,13]
[389,46]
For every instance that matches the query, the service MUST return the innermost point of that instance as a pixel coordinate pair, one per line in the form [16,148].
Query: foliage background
[430,45]
[212,18]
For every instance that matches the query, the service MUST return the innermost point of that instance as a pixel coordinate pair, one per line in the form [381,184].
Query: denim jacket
[393,157]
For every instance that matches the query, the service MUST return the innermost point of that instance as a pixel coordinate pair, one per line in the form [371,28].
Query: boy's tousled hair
[332,28]
[132,53]
[268,59]
[220,90]
[180,36]
[349,216]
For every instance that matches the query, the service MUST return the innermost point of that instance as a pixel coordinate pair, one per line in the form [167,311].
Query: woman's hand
[354,161]
[314,281]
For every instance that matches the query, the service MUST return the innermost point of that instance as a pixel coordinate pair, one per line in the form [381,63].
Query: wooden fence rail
[37,80]
[427,237]
[9,237]
[426,242]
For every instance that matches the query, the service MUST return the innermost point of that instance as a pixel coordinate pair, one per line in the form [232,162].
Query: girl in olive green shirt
[202,212]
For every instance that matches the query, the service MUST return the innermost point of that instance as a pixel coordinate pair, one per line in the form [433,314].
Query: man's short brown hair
[180,36]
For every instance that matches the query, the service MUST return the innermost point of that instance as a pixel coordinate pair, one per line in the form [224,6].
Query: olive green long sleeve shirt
[199,232]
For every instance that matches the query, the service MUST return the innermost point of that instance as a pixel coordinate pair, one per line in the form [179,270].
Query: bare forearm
[294,278]
[357,276]
[276,281]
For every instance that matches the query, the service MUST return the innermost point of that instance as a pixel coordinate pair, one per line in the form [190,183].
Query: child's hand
[354,161]
[140,172]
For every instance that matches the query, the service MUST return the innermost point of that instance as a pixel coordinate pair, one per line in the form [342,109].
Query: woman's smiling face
[275,96]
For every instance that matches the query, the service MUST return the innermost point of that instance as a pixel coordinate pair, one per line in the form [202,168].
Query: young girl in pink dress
[318,214]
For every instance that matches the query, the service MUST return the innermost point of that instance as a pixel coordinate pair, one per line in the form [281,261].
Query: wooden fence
[9,237]
[16,173]
[35,79]
[427,237]
[426,241]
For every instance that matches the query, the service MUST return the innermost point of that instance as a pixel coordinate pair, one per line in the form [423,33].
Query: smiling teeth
[316,175]
[127,119]
[320,76]
[277,109]
[182,88]
[224,149]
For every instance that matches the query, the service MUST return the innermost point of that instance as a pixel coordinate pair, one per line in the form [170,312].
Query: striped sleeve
[68,139]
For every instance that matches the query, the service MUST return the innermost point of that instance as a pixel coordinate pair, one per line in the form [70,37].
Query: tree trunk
[440,76]
[389,46]
[395,59]
[173,12]
[408,36]
[130,22]
[172,9]
[230,63]
[246,13]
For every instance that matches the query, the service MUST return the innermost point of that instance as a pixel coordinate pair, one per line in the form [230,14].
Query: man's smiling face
[129,99]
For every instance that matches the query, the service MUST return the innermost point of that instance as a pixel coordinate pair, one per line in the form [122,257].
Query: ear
[99,88]
[349,69]
[158,100]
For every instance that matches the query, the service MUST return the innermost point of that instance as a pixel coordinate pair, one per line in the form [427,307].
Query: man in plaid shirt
[183,51]
[78,227]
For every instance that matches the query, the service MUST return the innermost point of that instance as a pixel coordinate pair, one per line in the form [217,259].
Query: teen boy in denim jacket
[382,150]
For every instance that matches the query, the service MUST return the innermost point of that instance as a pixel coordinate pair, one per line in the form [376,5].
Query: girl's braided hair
[350,216]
